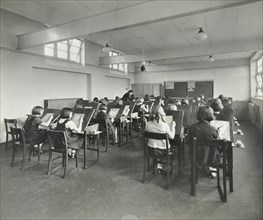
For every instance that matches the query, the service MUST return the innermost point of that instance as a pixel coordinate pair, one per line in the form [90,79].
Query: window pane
[114,54]
[74,50]
[259,69]
[259,80]
[62,54]
[49,51]
[73,57]
[78,59]
[49,45]
[121,67]
[115,66]
[259,62]
[75,42]
[125,67]
[63,45]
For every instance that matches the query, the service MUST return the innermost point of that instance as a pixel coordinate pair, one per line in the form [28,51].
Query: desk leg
[97,144]
[230,166]
[85,150]
[180,158]
[119,134]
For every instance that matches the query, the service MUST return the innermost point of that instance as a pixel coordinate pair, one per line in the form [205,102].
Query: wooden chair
[8,124]
[118,119]
[178,142]
[225,164]
[19,141]
[106,136]
[187,115]
[59,137]
[151,153]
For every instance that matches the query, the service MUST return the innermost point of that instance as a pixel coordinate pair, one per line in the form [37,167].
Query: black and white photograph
[189,72]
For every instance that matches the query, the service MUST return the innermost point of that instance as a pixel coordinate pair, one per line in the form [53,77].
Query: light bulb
[201,35]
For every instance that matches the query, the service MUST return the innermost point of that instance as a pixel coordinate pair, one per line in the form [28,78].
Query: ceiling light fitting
[211,59]
[107,48]
[143,68]
[201,35]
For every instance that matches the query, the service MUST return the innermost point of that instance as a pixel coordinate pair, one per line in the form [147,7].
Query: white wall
[12,25]
[25,75]
[230,81]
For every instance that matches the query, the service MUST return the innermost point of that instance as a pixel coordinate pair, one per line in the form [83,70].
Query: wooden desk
[91,132]
[120,124]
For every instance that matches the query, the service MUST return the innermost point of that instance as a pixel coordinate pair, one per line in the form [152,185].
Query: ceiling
[240,21]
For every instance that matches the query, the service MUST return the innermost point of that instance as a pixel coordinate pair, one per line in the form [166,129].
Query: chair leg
[183,145]
[193,180]
[29,154]
[144,170]
[63,161]
[23,161]
[224,185]
[76,158]
[168,177]
[49,162]
[13,156]
[96,142]
[106,144]
[66,164]
[6,142]
[38,152]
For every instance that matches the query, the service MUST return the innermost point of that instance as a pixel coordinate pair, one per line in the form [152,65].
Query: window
[49,50]
[259,77]
[67,50]
[121,66]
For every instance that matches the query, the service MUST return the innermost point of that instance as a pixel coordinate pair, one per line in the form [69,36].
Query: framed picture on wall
[169,85]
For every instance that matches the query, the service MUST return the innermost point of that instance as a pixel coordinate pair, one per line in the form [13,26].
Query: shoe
[212,172]
[73,153]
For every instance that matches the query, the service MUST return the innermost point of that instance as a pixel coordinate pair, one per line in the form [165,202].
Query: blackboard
[203,87]
[180,89]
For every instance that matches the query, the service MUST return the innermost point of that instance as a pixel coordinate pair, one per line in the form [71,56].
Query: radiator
[253,113]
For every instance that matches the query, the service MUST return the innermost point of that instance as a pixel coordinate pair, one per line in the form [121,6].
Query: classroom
[131,61]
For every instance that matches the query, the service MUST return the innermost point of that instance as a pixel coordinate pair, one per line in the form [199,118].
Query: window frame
[56,50]
[259,76]
[122,67]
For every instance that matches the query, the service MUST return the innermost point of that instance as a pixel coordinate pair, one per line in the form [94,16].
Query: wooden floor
[112,188]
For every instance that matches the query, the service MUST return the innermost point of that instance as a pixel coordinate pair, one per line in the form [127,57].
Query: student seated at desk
[102,115]
[217,106]
[157,124]
[171,107]
[96,99]
[203,130]
[65,123]
[147,98]
[33,134]
[140,107]
[79,103]
[185,101]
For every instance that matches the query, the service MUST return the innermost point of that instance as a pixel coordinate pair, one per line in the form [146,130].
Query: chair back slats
[57,140]
[178,117]
[187,114]
[156,136]
[18,137]
[10,123]
[225,163]
[164,158]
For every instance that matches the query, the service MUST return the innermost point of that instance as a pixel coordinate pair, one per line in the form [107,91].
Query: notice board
[189,89]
